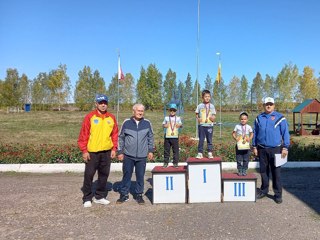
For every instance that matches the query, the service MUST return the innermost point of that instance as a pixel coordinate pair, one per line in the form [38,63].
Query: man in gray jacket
[136,144]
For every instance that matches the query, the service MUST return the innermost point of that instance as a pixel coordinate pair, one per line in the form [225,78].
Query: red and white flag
[120,73]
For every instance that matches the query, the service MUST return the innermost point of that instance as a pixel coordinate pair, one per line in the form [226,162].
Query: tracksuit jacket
[136,140]
[271,130]
[99,132]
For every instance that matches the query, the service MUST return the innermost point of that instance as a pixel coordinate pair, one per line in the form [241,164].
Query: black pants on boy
[174,143]
[99,161]
[242,157]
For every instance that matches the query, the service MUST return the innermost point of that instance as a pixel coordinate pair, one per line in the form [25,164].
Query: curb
[117,167]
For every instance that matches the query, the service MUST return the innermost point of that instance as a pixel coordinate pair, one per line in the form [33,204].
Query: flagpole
[118,87]
[197,80]
[219,69]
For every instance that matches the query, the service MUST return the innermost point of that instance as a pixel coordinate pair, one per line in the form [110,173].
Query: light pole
[219,76]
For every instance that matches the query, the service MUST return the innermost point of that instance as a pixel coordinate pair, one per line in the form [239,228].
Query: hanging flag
[218,78]
[120,73]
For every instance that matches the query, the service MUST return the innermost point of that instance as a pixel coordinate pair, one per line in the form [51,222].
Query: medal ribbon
[207,111]
[172,126]
[244,128]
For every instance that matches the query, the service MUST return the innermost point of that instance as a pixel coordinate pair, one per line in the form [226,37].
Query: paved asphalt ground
[49,206]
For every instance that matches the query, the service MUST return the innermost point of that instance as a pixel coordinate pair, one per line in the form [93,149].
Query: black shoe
[165,165]
[175,165]
[244,172]
[139,199]
[261,195]
[240,172]
[122,199]
[278,200]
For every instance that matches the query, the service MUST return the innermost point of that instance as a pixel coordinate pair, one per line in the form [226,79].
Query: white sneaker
[87,204]
[101,201]
[199,155]
[210,155]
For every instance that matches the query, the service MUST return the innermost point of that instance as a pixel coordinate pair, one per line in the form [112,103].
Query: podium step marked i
[169,184]
[239,188]
[204,179]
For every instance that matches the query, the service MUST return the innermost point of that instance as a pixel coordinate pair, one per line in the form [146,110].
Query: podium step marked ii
[239,188]
[169,184]
[204,179]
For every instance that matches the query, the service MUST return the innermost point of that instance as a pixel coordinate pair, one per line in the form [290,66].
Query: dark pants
[99,161]
[242,157]
[128,165]
[266,156]
[174,143]
[205,132]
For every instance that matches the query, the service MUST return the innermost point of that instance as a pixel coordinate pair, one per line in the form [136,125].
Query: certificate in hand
[243,145]
[279,161]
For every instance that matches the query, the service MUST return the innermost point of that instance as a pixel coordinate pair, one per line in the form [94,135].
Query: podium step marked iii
[239,188]
[169,184]
[204,179]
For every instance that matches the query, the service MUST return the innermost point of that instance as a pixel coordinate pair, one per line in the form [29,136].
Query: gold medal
[206,121]
[243,142]
[172,134]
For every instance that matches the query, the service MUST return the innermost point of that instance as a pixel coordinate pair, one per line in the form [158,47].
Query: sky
[251,36]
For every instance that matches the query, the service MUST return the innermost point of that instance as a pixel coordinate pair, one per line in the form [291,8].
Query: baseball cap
[243,113]
[101,97]
[268,100]
[172,106]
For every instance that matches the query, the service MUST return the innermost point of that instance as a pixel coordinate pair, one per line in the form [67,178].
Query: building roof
[308,106]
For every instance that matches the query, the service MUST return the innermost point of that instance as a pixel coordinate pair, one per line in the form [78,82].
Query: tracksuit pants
[174,143]
[205,132]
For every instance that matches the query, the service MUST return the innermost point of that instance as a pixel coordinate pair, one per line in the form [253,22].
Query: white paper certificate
[279,161]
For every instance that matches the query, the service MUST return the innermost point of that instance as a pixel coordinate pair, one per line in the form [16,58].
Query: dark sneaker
[244,172]
[261,195]
[122,199]
[165,165]
[278,200]
[139,199]
[175,165]
[239,172]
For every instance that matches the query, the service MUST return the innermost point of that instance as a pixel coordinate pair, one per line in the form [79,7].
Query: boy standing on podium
[171,124]
[205,114]
[243,134]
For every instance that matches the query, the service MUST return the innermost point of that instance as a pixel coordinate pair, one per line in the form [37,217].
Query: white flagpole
[219,69]
[197,80]
[118,87]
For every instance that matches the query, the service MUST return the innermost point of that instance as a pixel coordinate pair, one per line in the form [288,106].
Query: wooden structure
[311,106]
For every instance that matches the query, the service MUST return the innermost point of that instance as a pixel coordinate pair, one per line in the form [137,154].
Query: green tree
[181,90]
[308,87]
[24,89]
[188,89]
[112,93]
[88,85]
[269,87]
[149,87]
[11,93]
[234,93]
[169,86]
[40,91]
[286,83]
[244,87]
[257,90]
[196,95]
[127,91]
[208,83]
[59,86]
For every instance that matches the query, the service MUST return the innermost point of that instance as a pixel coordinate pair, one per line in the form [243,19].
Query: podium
[204,179]
[169,184]
[239,188]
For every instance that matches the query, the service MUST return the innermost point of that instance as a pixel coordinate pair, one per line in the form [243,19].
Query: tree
[59,86]
[308,87]
[127,90]
[87,86]
[196,94]
[112,93]
[39,91]
[188,89]
[286,83]
[234,93]
[10,87]
[208,83]
[169,86]
[181,90]
[244,87]
[269,87]
[149,87]
[257,89]
[24,89]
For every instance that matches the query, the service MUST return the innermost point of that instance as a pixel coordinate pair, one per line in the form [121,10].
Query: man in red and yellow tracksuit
[98,141]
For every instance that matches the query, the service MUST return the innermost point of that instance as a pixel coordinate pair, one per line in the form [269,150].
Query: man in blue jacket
[136,144]
[270,137]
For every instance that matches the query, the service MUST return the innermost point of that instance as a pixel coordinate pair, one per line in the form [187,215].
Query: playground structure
[311,107]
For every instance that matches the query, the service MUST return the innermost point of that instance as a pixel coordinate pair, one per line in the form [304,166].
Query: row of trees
[53,89]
